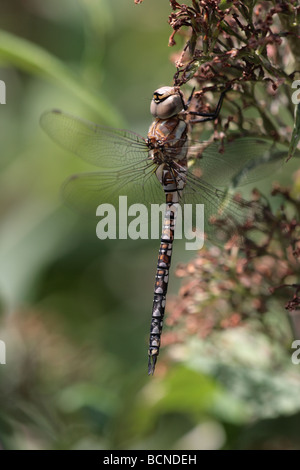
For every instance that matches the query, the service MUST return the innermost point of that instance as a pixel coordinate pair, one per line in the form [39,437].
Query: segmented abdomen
[161,284]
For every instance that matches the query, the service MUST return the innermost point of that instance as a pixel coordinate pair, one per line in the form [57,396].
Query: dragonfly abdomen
[161,284]
[173,185]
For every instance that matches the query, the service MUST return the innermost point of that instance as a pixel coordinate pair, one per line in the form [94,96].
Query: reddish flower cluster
[233,41]
[237,45]
[228,286]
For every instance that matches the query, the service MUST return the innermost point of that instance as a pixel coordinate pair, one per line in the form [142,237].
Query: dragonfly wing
[219,205]
[244,160]
[101,146]
[86,191]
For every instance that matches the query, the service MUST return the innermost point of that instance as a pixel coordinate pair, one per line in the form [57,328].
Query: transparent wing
[86,191]
[101,146]
[244,160]
[234,211]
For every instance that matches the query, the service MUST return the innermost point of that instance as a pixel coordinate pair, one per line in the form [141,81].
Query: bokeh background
[74,311]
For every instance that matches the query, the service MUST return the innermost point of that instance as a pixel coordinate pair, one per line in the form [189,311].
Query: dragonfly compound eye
[166,102]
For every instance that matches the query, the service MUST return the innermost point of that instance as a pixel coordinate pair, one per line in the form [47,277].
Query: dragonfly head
[167,101]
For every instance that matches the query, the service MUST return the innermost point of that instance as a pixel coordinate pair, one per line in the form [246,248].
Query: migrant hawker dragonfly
[143,169]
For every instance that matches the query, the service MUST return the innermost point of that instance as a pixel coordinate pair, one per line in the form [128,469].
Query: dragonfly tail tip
[151,365]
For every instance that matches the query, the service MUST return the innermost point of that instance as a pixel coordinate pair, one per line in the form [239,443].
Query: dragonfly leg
[189,100]
[210,116]
[193,121]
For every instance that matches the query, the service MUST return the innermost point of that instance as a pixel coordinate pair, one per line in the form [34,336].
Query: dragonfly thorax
[166,140]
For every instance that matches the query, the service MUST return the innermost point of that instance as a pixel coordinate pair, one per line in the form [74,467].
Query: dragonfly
[165,166]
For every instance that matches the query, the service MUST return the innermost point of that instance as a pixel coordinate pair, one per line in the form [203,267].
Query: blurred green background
[75,312]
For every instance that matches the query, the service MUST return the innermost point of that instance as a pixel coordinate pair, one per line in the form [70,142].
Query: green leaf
[224,4]
[36,61]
